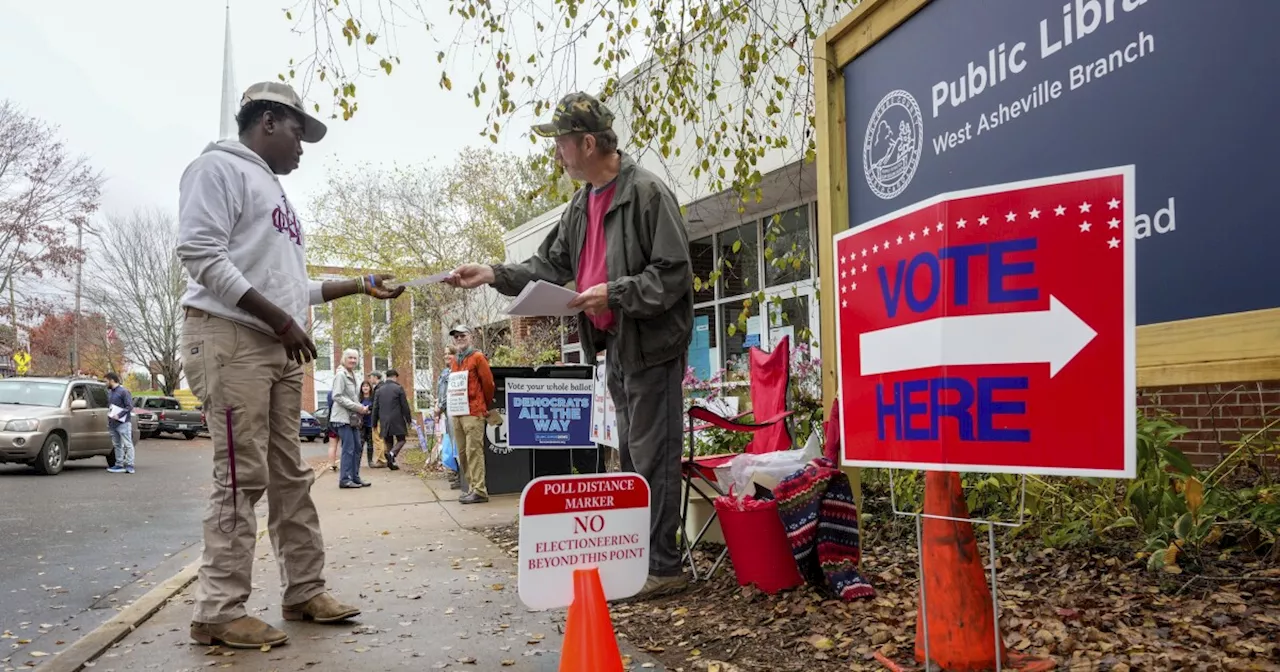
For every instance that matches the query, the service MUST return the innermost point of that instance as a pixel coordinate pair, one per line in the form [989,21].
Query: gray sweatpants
[649,404]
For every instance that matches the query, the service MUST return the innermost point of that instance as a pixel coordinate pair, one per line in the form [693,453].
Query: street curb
[92,645]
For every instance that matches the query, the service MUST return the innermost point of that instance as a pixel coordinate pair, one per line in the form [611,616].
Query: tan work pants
[252,396]
[379,447]
[468,432]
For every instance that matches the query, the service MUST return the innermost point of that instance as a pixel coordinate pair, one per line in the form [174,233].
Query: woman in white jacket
[346,416]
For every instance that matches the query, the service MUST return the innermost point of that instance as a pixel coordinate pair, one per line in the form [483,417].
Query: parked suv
[46,421]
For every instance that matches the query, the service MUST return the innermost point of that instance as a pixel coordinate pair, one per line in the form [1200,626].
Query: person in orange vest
[470,372]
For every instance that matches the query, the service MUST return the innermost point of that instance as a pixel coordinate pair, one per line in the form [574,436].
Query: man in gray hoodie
[244,343]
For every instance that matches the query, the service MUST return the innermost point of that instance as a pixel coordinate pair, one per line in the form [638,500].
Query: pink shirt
[592,266]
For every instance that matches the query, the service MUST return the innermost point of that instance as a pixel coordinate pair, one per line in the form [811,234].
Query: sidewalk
[435,593]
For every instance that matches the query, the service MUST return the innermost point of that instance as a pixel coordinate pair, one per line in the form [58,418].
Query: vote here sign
[992,330]
[569,522]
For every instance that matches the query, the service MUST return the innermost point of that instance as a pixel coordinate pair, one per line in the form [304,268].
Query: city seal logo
[893,144]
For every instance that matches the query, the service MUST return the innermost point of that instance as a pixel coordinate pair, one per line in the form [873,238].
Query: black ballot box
[508,470]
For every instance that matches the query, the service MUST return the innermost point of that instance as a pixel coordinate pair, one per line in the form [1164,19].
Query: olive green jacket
[650,272]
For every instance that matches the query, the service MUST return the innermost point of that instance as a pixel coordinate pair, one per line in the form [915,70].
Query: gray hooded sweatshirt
[237,230]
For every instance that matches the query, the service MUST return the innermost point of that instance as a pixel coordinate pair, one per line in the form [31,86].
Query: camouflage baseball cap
[577,113]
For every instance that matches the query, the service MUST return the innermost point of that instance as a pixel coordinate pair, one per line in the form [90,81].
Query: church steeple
[230,95]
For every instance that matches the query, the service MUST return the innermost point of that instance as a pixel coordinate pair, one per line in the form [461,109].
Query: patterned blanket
[821,519]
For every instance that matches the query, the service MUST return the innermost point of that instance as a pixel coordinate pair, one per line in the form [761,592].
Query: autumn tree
[710,91]
[732,78]
[137,282]
[51,345]
[414,221]
[45,195]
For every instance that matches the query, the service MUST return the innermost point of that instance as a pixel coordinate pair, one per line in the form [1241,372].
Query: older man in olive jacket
[622,240]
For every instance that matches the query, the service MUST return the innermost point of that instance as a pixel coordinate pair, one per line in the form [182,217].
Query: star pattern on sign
[844,289]
[939,226]
[1035,213]
[843,260]
[924,231]
[844,303]
[1010,216]
[1113,243]
[1113,203]
[912,235]
[1084,227]
[899,240]
[886,244]
[1113,224]
[842,274]
[875,249]
[864,253]
[1084,207]
[960,223]
[1060,210]
[864,268]
[982,221]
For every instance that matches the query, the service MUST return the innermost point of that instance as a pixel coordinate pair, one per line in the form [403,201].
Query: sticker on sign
[571,522]
[992,330]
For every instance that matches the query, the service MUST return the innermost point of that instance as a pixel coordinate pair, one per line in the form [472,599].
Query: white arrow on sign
[1054,336]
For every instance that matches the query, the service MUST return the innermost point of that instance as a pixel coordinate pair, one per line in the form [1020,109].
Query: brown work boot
[245,632]
[322,608]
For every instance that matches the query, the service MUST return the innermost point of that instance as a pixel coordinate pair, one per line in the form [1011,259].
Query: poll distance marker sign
[571,522]
[992,330]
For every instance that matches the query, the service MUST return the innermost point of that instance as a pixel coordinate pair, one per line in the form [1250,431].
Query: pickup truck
[164,415]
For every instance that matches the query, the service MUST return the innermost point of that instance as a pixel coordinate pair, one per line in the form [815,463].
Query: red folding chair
[770,374]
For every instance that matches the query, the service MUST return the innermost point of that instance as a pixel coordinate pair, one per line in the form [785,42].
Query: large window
[703,253]
[324,355]
[789,317]
[738,332]
[381,356]
[787,247]
[739,252]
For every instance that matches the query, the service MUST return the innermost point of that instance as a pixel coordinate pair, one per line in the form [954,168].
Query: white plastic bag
[767,469]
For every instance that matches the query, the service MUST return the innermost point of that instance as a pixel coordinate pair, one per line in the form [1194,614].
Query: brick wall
[1217,415]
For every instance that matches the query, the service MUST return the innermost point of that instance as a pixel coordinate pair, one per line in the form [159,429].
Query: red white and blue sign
[992,330]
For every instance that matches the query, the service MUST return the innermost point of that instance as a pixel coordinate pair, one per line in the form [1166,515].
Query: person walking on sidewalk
[623,240]
[392,416]
[442,397]
[379,446]
[120,424]
[366,431]
[468,422]
[243,348]
[347,415]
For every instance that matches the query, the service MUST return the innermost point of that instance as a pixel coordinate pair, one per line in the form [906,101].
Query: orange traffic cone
[589,642]
[957,607]
[956,610]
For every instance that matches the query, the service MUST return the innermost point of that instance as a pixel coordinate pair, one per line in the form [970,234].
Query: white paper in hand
[429,280]
[543,299]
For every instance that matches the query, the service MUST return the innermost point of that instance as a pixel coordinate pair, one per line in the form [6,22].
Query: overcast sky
[135,85]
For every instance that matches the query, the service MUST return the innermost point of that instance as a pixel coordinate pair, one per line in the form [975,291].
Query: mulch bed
[1097,609]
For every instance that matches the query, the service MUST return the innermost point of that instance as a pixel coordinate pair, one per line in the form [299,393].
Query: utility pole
[75,321]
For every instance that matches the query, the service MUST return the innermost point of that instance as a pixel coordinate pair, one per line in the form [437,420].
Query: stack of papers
[543,299]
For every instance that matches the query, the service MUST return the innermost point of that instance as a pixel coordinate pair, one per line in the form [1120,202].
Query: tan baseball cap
[313,129]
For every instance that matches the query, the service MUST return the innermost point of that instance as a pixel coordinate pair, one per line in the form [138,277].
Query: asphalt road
[77,546]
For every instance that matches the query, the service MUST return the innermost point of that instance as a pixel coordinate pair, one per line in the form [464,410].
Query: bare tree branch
[137,282]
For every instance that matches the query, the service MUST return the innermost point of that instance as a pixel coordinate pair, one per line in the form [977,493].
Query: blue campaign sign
[549,413]
[967,94]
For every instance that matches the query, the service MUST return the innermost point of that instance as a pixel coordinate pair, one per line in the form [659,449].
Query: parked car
[46,421]
[322,418]
[309,429]
[164,415]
